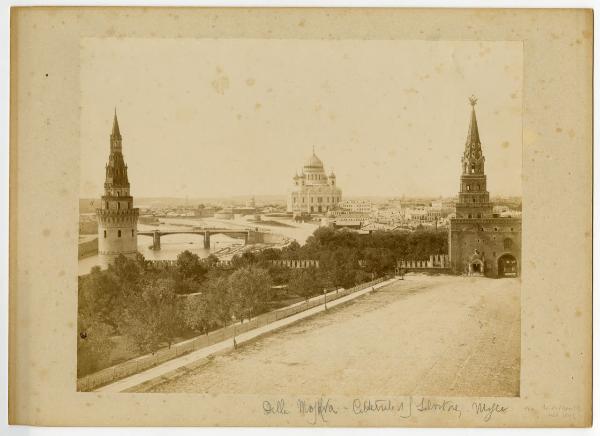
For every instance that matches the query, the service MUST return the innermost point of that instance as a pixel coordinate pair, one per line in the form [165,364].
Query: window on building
[119,205]
[473,199]
[468,187]
[119,233]
[478,215]
[478,187]
[472,169]
[508,244]
[105,233]
[132,233]
[470,216]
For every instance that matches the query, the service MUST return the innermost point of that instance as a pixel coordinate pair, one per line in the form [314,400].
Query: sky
[226,117]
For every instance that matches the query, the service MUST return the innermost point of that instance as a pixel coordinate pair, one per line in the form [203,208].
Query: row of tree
[150,307]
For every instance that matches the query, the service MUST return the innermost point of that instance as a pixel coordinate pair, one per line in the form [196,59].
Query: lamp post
[325,295]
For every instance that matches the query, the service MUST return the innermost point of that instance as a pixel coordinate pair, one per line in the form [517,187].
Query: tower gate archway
[507,266]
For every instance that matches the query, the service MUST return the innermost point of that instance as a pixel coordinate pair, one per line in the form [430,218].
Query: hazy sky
[207,118]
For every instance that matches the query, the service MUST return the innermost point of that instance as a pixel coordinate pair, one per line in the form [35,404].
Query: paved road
[444,336]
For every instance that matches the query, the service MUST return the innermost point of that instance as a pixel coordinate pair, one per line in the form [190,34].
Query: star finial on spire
[473,100]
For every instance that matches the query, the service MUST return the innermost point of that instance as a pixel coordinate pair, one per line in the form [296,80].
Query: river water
[172,245]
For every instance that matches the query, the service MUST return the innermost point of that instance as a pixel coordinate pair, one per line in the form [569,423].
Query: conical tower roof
[473,143]
[116,133]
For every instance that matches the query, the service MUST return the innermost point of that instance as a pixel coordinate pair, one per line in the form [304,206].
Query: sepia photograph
[280,216]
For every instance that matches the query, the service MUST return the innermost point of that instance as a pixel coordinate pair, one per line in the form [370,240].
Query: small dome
[314,161]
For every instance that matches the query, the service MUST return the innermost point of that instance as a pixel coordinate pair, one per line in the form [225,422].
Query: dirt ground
[426,335]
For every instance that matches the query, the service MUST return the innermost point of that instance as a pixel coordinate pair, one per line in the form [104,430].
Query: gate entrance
[507,266]
[476,267]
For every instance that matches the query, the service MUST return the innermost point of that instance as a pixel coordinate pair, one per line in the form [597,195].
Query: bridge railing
[125,369]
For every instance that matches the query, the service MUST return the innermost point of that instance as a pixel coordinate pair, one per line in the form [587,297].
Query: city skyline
[263,125]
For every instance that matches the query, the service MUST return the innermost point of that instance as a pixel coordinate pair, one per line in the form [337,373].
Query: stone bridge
[249,235]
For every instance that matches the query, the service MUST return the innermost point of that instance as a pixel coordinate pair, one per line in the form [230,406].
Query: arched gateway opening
[476,267]
[507,266]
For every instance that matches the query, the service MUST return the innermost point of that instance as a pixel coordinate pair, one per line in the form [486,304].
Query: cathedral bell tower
[117,218]
[473,197]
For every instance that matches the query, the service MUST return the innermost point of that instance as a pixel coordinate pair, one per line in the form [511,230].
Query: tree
[211,260]
[378,260]
[93,343]
[219,300]
[250,289]
[127,271]
[210,308]
[304,283]
[151,315]
[196,314]
[189,273]
[291,251]
[189,266]
[99,294]
[246,259]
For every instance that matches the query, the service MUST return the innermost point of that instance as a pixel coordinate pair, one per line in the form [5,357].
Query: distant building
[224,214]
[117,218]
[205,212]
[313,190]
[242,210]
[364,206]
[481,242]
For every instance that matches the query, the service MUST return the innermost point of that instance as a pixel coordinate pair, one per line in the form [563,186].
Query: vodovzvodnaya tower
[117,218]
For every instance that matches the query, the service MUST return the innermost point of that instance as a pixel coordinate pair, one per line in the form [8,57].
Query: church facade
[117,218]
[481,242]
[314,191]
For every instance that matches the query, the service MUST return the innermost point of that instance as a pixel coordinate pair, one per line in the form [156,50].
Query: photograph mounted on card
[303,217]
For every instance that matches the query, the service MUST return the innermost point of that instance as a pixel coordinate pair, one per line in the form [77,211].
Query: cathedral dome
[314,162]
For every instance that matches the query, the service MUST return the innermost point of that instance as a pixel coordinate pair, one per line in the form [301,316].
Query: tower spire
[115,136]
[116,133]
[473,143]
[473,198]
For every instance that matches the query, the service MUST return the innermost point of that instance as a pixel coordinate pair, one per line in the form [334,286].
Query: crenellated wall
[435,262]
[296,263]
